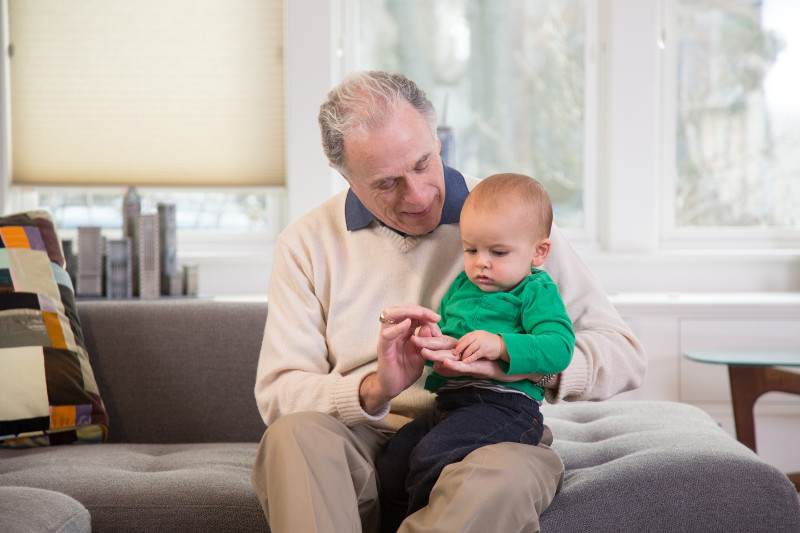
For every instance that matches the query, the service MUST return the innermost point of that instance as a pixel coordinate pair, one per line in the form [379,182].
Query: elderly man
[334,382]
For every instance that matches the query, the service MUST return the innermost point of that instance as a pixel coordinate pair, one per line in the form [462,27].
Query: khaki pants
[314,474]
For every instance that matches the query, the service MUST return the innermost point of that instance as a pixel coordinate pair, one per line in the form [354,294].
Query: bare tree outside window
[738,114]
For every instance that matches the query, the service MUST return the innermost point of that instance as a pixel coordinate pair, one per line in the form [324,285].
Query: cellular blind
[175,93]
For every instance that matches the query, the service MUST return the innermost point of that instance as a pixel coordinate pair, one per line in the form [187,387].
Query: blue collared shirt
[455,192]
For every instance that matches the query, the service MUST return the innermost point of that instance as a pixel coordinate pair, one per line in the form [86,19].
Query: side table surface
[751,374]
[766,357]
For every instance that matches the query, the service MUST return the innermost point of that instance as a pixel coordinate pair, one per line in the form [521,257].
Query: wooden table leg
[747,384]
[746,387]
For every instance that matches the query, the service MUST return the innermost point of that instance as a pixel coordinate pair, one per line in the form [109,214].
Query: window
[226,210]
[162,95]
[737,152]
[602,102]
[507,78]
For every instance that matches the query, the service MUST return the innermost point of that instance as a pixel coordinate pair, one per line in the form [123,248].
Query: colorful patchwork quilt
[48,394]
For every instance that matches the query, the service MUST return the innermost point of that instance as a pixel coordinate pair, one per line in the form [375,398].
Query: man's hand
[479,369]
[429,329]
[399,361]
[439,350]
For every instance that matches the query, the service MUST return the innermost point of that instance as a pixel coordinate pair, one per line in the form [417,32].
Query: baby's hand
[429,329]
[480,344]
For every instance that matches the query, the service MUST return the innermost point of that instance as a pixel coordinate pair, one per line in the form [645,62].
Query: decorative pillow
[48,394]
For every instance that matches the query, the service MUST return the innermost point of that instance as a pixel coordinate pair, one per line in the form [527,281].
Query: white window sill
[697,271]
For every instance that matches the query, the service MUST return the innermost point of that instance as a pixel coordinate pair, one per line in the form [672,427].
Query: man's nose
[414,192]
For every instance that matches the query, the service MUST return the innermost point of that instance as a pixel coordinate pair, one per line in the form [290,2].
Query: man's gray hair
[366,99]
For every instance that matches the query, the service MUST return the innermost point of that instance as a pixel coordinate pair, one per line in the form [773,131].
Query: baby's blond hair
[499,191]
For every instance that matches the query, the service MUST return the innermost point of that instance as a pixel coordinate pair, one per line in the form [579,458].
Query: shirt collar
[357,216]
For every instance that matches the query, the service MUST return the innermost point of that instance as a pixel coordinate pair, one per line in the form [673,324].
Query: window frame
[672,237]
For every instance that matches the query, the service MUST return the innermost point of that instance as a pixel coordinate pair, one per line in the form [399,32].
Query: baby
[501,307]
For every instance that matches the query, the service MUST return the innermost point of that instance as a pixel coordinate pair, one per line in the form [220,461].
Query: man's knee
[296,427]
[520,478]
[520,467]
[314,458]
[311,436]
[286,442]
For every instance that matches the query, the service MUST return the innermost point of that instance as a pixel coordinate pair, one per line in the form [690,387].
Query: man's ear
[540,253]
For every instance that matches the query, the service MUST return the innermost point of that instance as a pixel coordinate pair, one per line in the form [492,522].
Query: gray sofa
[177,378]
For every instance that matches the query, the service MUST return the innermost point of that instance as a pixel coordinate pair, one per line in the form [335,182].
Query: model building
[119,276]
[171,277]
[145,251]
[89,264]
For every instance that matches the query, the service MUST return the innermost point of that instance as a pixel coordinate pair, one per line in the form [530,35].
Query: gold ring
[385,320]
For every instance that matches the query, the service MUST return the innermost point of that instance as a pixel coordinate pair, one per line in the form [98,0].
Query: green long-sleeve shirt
[531,318]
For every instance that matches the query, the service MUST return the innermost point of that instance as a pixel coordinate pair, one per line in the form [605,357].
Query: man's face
[397,173]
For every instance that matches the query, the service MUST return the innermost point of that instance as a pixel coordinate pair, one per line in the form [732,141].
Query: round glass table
[753,373]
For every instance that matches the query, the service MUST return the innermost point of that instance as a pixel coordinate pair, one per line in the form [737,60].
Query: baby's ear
[540,253]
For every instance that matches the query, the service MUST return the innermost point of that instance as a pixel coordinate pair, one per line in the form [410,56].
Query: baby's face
[499,248]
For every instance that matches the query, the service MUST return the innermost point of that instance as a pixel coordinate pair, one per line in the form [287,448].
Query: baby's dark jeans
[461,421]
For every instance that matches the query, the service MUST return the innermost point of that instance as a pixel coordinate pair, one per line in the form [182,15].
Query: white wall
[4,147]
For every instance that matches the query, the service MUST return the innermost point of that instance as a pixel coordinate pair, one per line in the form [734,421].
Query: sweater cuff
[572,382]
[348,403]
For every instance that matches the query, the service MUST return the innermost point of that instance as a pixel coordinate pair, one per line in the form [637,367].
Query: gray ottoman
[28,510]
[661,466]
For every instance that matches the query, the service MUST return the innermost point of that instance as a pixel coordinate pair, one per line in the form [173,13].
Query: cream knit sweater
[328,286]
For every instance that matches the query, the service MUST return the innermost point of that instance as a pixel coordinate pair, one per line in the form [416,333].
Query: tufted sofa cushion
[23,509]
[661,466]
[149,487]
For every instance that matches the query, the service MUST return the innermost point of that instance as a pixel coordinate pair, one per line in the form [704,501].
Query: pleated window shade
[146,92]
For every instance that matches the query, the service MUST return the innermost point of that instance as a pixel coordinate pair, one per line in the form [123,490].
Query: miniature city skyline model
[143,263]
